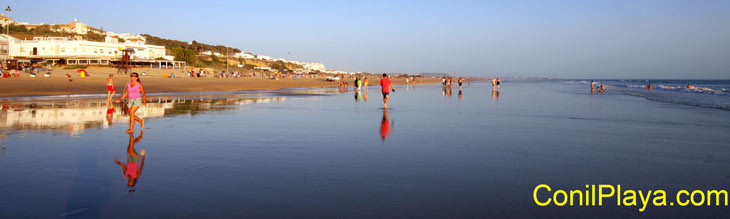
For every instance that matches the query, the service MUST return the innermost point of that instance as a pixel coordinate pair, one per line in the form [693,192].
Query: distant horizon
[565,39]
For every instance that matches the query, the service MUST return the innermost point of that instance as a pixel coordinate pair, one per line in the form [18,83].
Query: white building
[211,53]
[81,52]
[5,20]
[268,58]
[312,66]
[244,55]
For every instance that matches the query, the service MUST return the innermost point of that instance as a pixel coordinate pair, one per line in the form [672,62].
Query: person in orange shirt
[386,86]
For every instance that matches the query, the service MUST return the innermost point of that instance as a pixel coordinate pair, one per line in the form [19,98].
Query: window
[94,62]
[71,61]
[83,62]
[104,62]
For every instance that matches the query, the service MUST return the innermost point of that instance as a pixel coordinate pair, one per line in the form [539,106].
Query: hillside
[183,51]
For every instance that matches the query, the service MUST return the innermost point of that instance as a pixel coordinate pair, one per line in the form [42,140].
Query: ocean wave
[710,94]
[700,99]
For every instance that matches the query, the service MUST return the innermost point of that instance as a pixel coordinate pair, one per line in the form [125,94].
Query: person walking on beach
[494,82]
[110,87]
[461,81]
[355,83]
[133,168]
[133,89]
[386,88]
[498,83]
[365,83]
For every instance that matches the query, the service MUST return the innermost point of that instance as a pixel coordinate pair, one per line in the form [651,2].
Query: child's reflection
[109,112]
[133,169]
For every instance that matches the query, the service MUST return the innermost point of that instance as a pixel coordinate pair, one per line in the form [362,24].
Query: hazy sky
[566,39]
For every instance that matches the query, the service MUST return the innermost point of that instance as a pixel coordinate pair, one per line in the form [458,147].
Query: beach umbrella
[82,72]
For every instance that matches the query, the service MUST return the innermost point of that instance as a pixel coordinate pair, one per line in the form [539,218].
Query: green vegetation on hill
[188,52]
[195,46]
[23,32]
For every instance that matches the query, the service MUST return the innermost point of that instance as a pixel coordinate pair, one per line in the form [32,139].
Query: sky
[642,39]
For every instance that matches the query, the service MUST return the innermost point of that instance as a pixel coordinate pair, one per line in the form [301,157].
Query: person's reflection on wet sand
[384,126]
[495,94]
[133,169]
[358,95]
[460,95]
[109,112]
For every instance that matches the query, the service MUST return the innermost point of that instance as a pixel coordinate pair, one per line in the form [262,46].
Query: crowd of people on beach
[275,75]
[31,70]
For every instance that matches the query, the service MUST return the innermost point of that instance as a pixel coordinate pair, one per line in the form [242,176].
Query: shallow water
[320,153]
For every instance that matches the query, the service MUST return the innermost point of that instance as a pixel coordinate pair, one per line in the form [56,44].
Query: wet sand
[431,154]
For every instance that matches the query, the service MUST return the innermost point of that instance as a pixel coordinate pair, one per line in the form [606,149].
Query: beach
[154,82]
[470,152]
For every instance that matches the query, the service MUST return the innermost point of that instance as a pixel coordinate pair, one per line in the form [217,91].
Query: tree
[214,59]
[186,55]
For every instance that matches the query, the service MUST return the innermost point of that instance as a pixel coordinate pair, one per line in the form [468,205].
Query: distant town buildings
[72,27]
[312,66]
[77,51]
